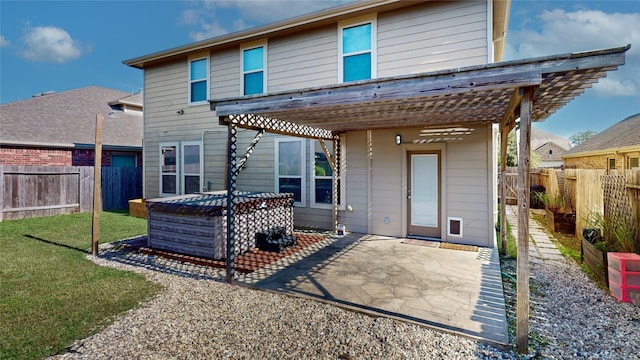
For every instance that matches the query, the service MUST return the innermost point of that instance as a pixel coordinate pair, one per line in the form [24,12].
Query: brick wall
[85,158]
[55,157]
[35,156]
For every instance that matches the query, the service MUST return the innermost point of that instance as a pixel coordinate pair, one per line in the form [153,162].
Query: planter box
[138,208]
[564,223]
[595,260]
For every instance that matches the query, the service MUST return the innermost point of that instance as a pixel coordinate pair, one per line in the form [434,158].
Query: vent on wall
[454,226]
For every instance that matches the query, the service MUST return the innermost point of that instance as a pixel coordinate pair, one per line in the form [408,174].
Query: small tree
[580,137]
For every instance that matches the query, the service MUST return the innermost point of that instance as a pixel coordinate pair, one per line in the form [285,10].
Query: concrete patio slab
[452,290]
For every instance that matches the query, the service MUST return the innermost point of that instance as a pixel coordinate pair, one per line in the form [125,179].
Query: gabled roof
[131,100]
[68,119]
[540,138]
[626,133]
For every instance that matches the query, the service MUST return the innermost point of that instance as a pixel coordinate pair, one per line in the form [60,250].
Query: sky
[64,45]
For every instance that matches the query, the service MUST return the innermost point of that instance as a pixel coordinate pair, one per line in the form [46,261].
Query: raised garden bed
[596,261]
[561,222]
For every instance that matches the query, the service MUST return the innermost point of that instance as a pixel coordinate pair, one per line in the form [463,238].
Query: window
[633,163]
[357,51]
[253,75]
[612,164]
[168,169]
[198,80]
[322,176]
[180,168]
[290,168]
[191,159]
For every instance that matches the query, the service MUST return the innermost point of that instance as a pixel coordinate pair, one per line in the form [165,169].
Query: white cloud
[50,44]
[4,42]
[562,32]
[205,15]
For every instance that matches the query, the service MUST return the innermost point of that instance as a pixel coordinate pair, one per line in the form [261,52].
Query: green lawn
[50,295]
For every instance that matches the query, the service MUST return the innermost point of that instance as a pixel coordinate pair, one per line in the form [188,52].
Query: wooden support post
[97,183]
[507,122]
[503,190]
[522,271]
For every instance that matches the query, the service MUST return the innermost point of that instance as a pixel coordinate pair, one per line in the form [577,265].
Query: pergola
[499,93]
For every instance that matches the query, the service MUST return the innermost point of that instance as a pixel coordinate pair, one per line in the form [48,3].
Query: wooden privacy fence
[34,191]
[587,191]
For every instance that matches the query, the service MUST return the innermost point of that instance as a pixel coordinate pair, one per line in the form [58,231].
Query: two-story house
[380,115]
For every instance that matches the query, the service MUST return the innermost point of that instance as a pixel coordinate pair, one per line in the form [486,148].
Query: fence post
[97,167]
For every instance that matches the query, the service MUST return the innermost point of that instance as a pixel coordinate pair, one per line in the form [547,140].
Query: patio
[457,291]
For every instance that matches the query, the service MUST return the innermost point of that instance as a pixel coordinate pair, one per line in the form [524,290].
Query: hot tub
[197,224]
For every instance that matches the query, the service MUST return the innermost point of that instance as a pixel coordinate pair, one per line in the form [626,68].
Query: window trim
[251,46]
[609,164]
[206,79]
[637,159]
[369,19]
[303,164]
[162,173]
[183,173]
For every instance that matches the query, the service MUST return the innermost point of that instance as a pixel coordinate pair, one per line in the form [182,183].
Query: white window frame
[637,158]
[303,164]
[250,46]
[162,173]
[207,79]
[313,177]
[183,173]
[369,19]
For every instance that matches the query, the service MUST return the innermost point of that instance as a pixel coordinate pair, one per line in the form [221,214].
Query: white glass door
[424,194]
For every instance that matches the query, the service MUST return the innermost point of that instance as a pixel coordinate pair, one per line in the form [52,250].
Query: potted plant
[606,234]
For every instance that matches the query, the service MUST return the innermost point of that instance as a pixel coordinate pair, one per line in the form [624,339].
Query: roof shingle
[625,133]
[69,118]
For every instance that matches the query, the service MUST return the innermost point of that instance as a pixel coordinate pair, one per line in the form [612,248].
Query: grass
[50,295]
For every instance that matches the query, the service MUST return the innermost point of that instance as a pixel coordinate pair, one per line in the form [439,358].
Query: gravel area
[197,316]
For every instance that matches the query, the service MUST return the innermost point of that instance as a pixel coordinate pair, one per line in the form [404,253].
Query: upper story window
[357,51]
[633,163]
[198,80]
[253,69]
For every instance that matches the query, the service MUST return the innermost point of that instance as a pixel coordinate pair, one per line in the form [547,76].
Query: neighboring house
[549,148]
[400,97]
[615,148]
[58,129]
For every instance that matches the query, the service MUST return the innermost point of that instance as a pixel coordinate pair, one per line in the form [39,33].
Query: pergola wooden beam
[388,89]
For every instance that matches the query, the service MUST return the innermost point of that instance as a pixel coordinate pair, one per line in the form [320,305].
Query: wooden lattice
[617,205]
